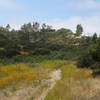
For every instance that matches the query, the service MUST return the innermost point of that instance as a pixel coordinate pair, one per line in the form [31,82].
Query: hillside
[44,63]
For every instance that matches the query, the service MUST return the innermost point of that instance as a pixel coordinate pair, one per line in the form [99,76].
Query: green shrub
[6,61]
[40,58]
[28,47]
[11,52]
[23,58]
[85,60]
[54,46]
[91,59]
[96,68]
[2,53]
[40,51]
[58,55]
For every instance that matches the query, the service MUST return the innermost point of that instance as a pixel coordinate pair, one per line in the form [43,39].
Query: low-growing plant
[14,88]
[5,92]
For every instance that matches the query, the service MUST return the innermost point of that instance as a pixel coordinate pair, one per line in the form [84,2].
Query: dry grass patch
[76,84]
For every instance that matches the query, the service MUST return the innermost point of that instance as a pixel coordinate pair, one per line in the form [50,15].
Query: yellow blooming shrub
[17,73]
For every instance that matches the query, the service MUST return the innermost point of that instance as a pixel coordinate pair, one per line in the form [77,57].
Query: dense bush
[2,53]
[23,58]
[40,51]
[98,52]
[55,46]
[91,59]
[11,52]
[3,43]
[58,55]
[85,60]
[29,59]
[28,47]
[94,51]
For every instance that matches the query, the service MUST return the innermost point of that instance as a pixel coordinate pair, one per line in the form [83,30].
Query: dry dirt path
[55,76]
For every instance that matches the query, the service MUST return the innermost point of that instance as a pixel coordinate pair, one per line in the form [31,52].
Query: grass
[72,71]
[27,73]
[76,84]
[53,64]
[14,88]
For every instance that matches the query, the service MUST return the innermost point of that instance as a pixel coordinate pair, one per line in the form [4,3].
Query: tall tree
[44,26]
[7,27]
[79,30]
[36,27]
[94,38]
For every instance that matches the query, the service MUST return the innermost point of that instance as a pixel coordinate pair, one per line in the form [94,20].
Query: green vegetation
[33,42]
[91,57]
[79,30]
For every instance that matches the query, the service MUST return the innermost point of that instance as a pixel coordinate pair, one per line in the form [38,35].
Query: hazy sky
[58,13]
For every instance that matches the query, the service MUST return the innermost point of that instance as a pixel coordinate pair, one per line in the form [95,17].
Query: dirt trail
[38,93]
[55,76]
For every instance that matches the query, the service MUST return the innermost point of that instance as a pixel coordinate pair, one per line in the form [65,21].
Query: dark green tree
[94,38]
[79,30]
